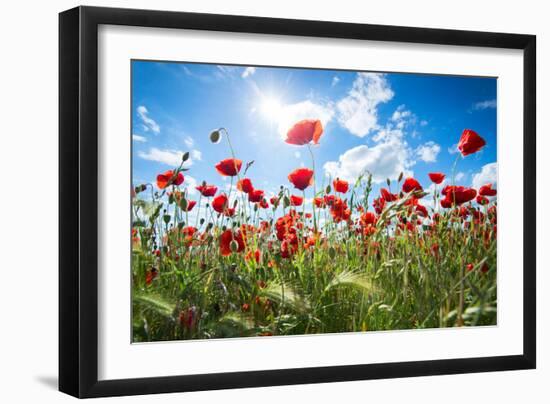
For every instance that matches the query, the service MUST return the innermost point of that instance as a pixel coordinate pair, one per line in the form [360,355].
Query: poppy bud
[388,181]
[166,219]
[286,201]
[185,157]
[328,189]
[202,221]
[183,204]
[332,252]
[400,177]
[215,136]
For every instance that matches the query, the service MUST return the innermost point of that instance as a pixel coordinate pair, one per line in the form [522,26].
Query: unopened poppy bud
[400,177]
[183,204]
[202,221]
[388,181]
[328,189]
[215,136]
[332,252]
[166,219]
[185,157]
[234,246]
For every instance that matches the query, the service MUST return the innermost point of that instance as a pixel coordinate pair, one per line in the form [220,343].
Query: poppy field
[321,254]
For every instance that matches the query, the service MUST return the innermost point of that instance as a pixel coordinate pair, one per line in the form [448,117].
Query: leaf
[286,295]
[350,278]
[155,302]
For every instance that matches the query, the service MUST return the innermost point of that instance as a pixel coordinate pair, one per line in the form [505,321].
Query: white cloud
[487,175]
[335,80]
[484,105]
[400,114]
[357,112]
[148,122]
[288,115]
[139,138]
[191,184]
[169,157]
[460,176]
[196,155]
[384,160]
[249,71]
[189,142]
[297,154]
[428,152]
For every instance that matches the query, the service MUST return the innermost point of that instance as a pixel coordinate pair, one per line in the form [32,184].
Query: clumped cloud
[169,157]
[148,123]
[481,105]
[249,71]
[335,81]
[139,138]
[428,152]
[487,175]
[384,160]
[189,141]
[357,112]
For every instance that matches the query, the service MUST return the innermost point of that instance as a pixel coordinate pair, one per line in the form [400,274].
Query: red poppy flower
[457,195]
[482,200]
[340,185]
[296,200]
[207,190]
[329,199]
[219,203]
[487,190]
[304,132]
[245,185]
[229,212]
[470,142]
[168,178]
[256,195]
[227,238]
[379,204]
[190,206]
[340,211]
[387,195]
[301,178]
[229,167]
[264,204]
[421,210]
[274,200]
[368,218]
[411,184]
[437,178]
[319,202]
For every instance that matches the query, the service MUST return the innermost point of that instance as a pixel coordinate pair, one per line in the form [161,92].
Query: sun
[271,108]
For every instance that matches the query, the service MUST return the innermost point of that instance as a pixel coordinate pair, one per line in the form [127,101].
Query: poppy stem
[314,190]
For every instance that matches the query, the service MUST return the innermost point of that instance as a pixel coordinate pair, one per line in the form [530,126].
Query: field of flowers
[260,265]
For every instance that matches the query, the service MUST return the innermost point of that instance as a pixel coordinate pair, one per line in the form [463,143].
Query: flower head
[229,167]
[219,203]
[487,190]
[437,178]
[168,178]
[301,178]
[207,190]
[304,132]
[256,195]
[245,185]
[411,184]
[296,200]
[340,185]
[231,242]
[470,142]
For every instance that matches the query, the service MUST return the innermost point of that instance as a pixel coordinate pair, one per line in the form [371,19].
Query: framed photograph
[251,201]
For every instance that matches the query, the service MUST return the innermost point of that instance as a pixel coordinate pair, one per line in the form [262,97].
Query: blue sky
[383,123]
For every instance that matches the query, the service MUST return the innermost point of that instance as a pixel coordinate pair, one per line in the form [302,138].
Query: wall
[28,203]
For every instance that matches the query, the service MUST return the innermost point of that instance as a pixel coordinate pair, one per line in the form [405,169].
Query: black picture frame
[78,201]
